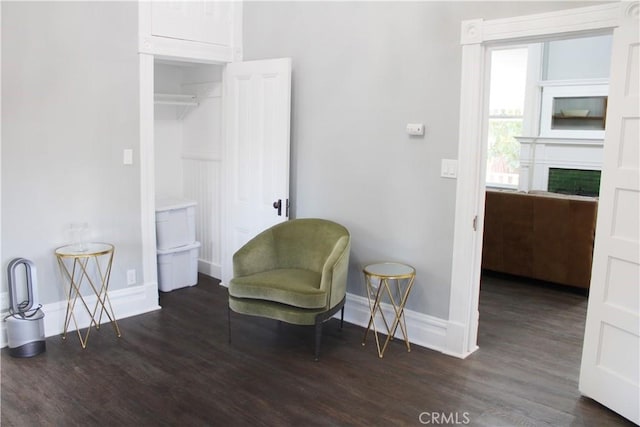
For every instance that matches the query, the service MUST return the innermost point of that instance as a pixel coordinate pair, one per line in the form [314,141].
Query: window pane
[508,81]
[503,158]
[506,105]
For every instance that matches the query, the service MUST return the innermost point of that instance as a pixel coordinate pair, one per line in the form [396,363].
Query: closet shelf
[175,99]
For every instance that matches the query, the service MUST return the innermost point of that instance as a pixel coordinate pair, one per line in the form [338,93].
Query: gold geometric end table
[87,264]
[380,279]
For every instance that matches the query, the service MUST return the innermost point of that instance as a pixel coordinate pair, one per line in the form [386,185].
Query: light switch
[449,168]
[127,157]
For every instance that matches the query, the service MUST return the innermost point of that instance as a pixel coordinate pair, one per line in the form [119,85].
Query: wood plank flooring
[174,367]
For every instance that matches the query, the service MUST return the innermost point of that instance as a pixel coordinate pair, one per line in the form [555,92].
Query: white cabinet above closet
[198,21]
[208,30]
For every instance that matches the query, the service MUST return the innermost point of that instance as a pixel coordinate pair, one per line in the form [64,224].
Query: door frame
[147,171]
[477,36]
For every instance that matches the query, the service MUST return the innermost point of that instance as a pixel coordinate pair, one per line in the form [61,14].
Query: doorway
[253,150]
[478,36]
[609,369]
[535,233]
[180,139]
[187,148]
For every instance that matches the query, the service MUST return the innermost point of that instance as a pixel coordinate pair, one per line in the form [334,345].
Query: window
[506,116]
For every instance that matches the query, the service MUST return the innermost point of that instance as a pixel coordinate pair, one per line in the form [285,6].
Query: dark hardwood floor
[175,367]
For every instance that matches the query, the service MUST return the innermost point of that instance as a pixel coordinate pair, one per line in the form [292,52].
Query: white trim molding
[126,302]
[147,170]
[423,330]
[477,37]
[562,22]
[471,32]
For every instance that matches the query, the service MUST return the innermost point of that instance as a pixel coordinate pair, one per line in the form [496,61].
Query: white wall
[361,72]
[179,130]
[167,136]
[69,109]
[203,125]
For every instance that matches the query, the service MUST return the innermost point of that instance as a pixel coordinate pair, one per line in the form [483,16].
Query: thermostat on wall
[415,129]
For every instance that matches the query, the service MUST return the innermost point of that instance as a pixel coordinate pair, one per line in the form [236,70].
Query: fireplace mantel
[538,154]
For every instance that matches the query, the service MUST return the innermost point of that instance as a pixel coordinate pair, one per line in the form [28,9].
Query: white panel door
[611,359]
[256,159]
[195,20]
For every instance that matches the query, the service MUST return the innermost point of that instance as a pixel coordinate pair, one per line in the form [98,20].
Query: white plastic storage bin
[178,267]
[175,223]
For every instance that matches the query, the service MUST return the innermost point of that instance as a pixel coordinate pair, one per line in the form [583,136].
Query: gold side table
[379,279]
[88,264]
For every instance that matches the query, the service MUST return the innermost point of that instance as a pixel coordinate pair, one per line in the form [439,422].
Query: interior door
[610,359]
[257,127]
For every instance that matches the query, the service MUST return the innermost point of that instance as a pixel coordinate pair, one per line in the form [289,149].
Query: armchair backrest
[307,243]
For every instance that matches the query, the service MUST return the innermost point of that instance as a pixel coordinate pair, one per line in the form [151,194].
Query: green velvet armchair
[295,271]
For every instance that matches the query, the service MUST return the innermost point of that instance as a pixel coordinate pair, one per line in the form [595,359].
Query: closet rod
[175,99]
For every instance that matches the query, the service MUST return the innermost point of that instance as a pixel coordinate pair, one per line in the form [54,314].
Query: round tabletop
[84,250]
[390,270]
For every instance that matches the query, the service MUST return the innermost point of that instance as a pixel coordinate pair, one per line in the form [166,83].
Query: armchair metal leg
[229,322]
[323,317]
[318,339]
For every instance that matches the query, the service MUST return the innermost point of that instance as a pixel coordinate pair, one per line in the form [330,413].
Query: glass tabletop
[84,249]
[390,270]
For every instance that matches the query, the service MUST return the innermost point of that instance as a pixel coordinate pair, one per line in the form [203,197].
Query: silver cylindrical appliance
[25,321]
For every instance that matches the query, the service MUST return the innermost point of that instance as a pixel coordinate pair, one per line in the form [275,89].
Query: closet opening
[187,148]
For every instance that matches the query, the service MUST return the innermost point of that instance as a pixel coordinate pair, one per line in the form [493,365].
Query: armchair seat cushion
[295,287]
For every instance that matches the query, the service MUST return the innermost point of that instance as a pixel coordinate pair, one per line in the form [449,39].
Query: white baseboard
[209,268]
[126,302]
[422,329]
[455,341]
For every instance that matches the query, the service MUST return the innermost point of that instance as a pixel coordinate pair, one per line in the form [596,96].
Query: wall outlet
[131,277]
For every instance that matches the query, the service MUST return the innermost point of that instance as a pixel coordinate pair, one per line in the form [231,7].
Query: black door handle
[278,205]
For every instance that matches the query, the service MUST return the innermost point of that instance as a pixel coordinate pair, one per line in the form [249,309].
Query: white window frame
[532,97]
